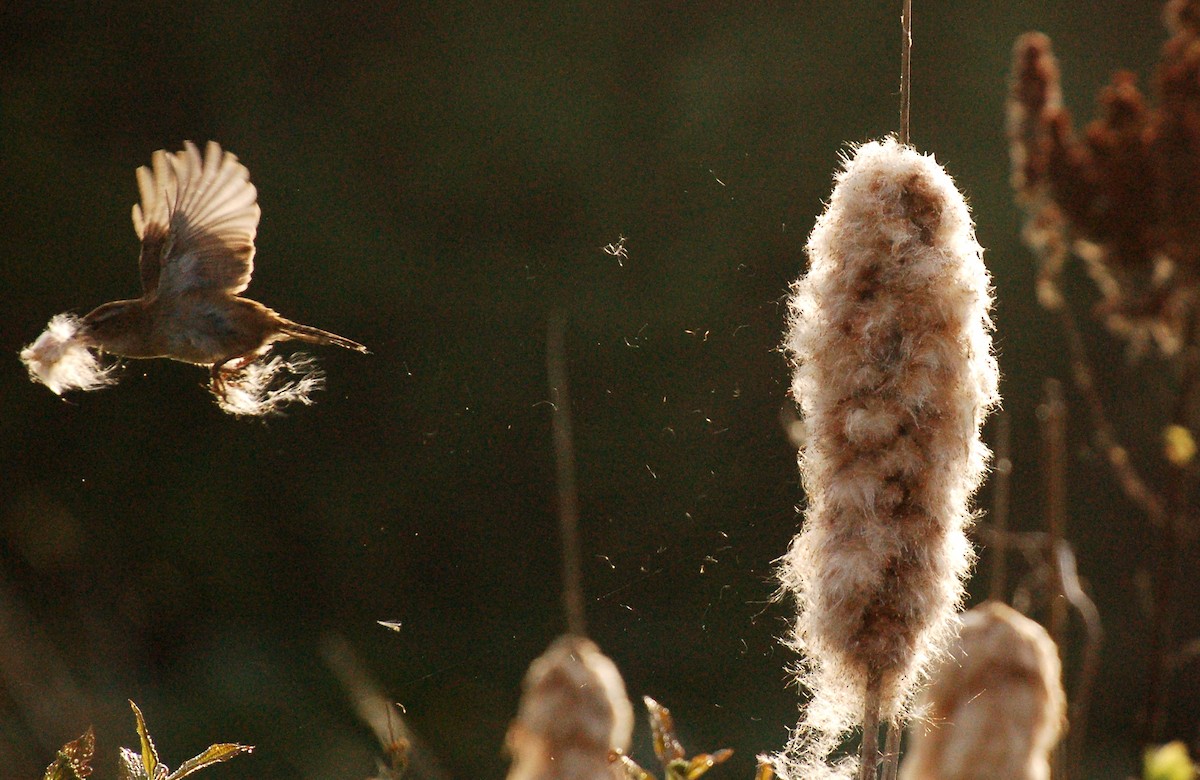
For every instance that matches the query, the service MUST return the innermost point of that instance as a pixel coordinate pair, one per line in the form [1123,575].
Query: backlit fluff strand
[574,712]
[889,337]
[262,388]
[61,361]
[995,707]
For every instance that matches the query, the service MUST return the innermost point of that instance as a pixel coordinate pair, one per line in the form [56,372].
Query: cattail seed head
[574,712]
[893,369]
[995,707]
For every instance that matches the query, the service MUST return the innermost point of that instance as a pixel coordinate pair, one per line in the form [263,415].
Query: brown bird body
[197,220]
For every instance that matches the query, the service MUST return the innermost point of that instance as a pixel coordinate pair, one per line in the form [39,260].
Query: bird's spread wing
[197,221]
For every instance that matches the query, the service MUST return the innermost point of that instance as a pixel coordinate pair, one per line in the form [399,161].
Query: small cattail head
[574,713]
[61,360]
[995,707]
[889,337]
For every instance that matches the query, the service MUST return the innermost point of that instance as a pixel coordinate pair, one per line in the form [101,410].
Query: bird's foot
[228,371]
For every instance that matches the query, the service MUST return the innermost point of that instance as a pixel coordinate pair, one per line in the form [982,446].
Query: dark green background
[434,178]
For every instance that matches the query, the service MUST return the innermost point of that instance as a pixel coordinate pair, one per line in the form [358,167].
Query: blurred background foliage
[434,177]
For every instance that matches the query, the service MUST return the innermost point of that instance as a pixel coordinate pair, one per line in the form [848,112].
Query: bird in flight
[197,220]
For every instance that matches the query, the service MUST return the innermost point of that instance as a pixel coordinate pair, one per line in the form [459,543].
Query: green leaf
[215,754]
[1168,762]
[74,759]
[150,762]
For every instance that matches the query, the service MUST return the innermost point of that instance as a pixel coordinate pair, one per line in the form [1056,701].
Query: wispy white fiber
[61,360]
[266,386]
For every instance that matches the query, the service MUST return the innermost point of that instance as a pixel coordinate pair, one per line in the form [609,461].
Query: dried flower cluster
[995,708]
[889,339]
[574,714]
[1124,196]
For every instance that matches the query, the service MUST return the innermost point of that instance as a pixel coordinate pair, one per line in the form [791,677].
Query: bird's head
[117,327]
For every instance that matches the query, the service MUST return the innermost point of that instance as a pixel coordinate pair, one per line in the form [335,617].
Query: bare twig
[1173,533]
[1052,414]
[402,746]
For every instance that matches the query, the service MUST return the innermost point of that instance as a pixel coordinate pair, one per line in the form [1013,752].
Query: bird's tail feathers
[317,336]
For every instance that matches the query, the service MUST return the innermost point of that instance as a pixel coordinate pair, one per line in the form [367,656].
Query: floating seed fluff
[889,338]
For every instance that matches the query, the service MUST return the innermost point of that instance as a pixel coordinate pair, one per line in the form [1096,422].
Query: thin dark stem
[905,69]
[1053,416]
[1073,591]
[868,754]
[1000,504]
[1128,478]
[1174,534]
[564,460]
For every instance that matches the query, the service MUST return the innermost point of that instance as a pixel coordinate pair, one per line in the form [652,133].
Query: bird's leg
[227,368]
[217,381]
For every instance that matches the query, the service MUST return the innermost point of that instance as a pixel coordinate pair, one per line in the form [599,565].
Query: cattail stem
[905,69]
[891,750]
[868,754]
[1000,504]
[564,460]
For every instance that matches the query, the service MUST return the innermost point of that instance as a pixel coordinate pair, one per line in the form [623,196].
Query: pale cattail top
[995,707]
[574,712]
[889,338]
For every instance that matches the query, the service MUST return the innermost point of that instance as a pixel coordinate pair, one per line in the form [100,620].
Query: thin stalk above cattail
[575,716]
[889,338]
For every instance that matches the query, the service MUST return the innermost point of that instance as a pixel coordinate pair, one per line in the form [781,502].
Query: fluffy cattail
[574,713]
[995,707]
[889,340]
[61,362]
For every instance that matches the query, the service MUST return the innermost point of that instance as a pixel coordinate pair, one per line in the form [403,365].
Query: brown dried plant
[1124,197]
[1125,194]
